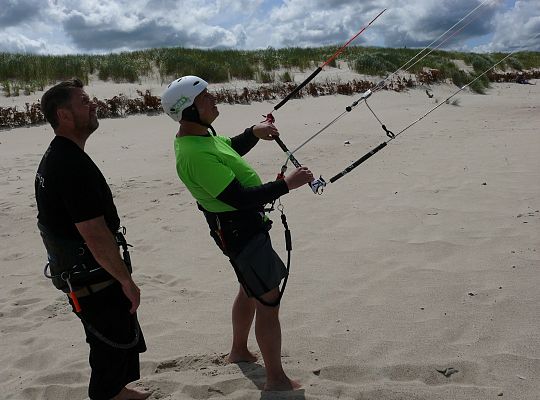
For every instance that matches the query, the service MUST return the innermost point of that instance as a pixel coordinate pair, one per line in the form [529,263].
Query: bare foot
[241,356]
[281,386]
[132,394]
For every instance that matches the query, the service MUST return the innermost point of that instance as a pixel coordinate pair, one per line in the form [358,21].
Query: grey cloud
[146,34]
[86,25]
[103,37]
[354,4]
[15,12]
[17,43]
[318,23]
[315,37]
[445,16]
[421,26]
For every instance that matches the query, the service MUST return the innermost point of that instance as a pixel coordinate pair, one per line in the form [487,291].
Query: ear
[63,114]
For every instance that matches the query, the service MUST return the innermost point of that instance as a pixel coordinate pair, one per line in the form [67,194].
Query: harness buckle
[65,276]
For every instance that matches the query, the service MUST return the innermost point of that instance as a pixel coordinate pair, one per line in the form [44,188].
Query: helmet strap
[191,114]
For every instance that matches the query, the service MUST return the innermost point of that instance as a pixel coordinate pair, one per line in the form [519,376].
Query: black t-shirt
[70,188]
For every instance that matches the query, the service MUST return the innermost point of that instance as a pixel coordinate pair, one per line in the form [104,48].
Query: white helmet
[180,94]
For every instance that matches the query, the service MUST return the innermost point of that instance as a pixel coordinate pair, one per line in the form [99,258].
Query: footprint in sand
[214,377]
[14,257]
[194,362]
[461,372]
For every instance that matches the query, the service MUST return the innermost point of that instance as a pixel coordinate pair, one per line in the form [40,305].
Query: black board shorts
[258,267]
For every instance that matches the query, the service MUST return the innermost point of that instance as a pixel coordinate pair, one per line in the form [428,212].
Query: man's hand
[133,293]
[300,176]
[104,248]
[265,131]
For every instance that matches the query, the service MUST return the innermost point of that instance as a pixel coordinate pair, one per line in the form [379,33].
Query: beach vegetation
[15,89]
[515,64]
[265,77]
[479,62]
[6,88]
[30,72]
[373,64]
[478,84]
[455,102]
[286,77]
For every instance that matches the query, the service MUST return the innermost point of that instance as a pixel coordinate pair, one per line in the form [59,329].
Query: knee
[271,298]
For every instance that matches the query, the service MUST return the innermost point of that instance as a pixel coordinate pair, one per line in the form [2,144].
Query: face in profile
[83,111]
[206,106]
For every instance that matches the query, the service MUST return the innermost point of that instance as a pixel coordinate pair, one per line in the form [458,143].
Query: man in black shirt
[76,211]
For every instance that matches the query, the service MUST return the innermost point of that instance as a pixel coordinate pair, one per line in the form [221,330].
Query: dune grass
[26,73]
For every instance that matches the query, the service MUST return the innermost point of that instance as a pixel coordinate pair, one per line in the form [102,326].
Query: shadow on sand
[257,375]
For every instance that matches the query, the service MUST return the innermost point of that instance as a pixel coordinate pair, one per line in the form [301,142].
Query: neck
[79,140]
[188,128]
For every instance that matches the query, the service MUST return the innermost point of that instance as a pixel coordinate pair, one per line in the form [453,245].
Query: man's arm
[247,140]
[241,197]
[244,142]
[102,244]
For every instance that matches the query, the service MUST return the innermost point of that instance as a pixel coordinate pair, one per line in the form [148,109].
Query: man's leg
[133,393]
[107,311]
[242,317]
[268,333]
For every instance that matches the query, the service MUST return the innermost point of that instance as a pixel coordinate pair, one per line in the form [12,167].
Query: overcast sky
[96,26]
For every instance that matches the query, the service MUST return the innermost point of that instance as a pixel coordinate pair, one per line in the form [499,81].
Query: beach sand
[425,258]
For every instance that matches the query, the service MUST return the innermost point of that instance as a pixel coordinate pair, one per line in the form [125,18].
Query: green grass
[27,73]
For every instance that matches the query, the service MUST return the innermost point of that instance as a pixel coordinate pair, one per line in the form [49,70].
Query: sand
[424,258]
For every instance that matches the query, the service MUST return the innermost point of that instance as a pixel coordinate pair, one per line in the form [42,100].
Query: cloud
[306,23]
[419,23]
[144,24]
[15,12]
[12,42]
[518,28]
[113,25]
[405,23]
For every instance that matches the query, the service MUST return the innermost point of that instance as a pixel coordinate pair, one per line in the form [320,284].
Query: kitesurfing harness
[233,230]
[74,270]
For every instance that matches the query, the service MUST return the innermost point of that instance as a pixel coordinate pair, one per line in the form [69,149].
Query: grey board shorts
[258,267]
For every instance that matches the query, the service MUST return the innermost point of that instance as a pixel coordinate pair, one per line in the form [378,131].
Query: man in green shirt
[232,198]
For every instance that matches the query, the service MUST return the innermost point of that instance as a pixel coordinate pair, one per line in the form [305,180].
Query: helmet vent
[196,83]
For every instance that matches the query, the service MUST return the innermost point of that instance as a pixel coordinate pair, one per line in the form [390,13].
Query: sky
[96,26]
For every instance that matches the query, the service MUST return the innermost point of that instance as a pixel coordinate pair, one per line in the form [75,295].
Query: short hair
[57,96]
